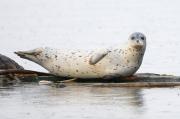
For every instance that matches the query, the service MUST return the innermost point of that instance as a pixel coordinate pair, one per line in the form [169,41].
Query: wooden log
[138,84]
[138,80]
[27,76]
[24,72]
[139,77]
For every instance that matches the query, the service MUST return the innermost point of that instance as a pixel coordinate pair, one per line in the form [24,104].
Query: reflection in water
[130,96]
[87,101]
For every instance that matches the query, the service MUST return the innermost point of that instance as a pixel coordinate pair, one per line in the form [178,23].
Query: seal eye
[133,38]
[142,38]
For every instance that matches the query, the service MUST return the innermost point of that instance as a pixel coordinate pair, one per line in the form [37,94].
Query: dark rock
[7,63]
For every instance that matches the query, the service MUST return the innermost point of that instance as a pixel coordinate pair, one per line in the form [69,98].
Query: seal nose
[137,41]
[140,42]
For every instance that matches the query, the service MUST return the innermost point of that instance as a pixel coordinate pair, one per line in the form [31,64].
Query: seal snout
[139,42]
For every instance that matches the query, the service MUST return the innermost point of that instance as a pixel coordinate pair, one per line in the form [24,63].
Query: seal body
[112,62]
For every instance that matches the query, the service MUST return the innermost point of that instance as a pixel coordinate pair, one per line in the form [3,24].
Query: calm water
[83,101]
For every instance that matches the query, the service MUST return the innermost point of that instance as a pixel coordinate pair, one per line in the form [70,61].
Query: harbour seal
[110,62]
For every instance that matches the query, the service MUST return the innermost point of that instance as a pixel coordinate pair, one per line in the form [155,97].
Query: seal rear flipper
[98,56]
[24,54]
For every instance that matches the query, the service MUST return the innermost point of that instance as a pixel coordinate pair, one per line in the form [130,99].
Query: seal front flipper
[98,56]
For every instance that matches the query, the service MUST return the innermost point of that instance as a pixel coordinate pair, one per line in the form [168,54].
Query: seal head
[137,40]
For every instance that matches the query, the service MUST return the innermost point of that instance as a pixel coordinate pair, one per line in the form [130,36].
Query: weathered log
[138,80]
[138,84]
[24,72]
[12,76]
[139,77]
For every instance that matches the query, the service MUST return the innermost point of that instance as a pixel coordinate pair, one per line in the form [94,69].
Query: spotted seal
[111,62]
